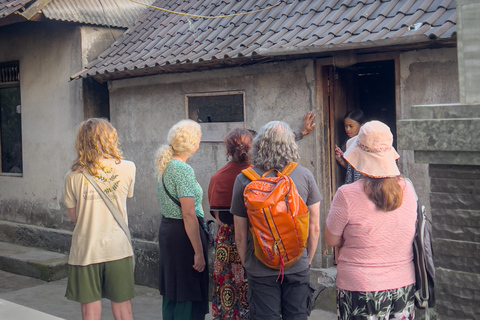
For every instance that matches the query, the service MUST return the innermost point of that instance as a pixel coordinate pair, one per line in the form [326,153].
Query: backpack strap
[411,183]
[250,174]
[289,168]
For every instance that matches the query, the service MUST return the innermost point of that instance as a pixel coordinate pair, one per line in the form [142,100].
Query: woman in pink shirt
[373,222]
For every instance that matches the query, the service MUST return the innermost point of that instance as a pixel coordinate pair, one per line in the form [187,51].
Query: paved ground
[24,298]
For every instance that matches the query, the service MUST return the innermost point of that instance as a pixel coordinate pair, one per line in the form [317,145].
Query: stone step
[33,262]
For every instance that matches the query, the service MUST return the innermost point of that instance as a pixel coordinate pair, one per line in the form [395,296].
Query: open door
[369,86]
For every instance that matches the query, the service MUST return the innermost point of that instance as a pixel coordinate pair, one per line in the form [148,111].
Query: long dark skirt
[178,281]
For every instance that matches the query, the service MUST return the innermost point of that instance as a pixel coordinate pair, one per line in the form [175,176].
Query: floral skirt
[382,305]
[229,299]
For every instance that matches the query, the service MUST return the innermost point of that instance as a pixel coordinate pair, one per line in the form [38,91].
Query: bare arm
[191,227]
[72,213]
[216,214]
[332,240]
[339,157]
[313,230]
[241,229]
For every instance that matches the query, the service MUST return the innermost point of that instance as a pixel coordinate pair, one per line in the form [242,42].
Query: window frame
[12,84]
[215,131]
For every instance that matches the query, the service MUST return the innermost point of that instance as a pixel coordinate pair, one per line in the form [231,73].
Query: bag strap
[251,174]
[169,194]
[289,168]
[113,209]
[413,187]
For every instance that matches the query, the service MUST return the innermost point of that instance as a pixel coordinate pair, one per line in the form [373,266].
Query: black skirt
[178,281]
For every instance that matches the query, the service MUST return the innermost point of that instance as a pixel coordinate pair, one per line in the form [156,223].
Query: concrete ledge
[439,134]
[31,262]
[35,236]
[445,111]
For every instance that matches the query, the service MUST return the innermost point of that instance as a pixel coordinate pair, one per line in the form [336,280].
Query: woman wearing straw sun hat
[373,222]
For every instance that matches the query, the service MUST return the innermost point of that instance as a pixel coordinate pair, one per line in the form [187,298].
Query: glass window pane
[221,108]
[11,130]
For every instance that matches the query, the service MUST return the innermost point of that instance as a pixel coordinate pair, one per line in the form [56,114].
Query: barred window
[10,119]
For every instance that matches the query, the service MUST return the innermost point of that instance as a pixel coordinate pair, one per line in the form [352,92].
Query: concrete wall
[426,77]
[51,110]
[468,14]
[144,109]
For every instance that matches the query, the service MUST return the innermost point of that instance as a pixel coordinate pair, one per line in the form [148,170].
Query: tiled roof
[8,7]
[163,41]
[114,13]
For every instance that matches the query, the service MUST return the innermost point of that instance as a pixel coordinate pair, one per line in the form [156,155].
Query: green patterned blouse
[180,182]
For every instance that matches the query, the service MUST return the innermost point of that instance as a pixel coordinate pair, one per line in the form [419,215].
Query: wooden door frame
[326,162]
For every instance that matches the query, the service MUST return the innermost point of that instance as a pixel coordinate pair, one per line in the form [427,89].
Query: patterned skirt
[396,304]
[229,299]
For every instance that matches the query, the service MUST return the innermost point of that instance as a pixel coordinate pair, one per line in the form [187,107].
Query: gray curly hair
[274,146]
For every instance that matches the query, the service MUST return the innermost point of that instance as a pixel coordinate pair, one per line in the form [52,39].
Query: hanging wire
[208,17]
[106,20]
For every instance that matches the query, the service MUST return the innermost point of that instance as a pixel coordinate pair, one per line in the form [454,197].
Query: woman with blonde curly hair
[100,261]
[183,270]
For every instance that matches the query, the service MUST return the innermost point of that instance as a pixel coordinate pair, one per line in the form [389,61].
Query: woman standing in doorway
[183,268]
[353,120]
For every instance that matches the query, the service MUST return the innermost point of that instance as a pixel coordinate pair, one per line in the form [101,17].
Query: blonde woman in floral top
[100,261]
[183,269]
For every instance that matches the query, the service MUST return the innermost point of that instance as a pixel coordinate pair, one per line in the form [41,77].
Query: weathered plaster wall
[143,110]
[426,77]
[96,40]
[51,110]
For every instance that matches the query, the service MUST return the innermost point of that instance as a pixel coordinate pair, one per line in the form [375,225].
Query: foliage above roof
[173,39]
[113,13]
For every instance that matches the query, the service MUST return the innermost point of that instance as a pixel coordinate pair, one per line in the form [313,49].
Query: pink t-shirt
[377,253]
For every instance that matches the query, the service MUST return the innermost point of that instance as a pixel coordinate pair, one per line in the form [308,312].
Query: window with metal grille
[10,119]
[217,112]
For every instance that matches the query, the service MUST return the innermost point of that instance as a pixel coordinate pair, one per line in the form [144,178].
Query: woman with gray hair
[274,148]
[183,269]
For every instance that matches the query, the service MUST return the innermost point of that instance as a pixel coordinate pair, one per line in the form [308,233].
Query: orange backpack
[278,218]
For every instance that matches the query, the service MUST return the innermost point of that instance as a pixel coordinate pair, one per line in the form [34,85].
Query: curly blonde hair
[274,146]
[182,138]
[96,139]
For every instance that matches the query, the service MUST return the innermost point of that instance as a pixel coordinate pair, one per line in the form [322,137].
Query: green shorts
[112,280]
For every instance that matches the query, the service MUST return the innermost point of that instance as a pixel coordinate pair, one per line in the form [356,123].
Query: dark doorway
[369,86]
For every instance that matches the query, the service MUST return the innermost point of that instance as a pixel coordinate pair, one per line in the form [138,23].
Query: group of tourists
[371,222]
